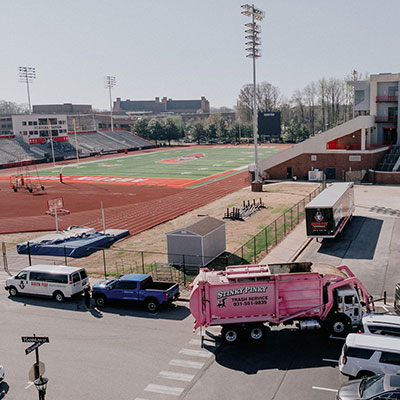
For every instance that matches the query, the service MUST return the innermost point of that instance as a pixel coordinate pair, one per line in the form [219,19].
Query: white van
[58,281]
[381,324]
[367,355]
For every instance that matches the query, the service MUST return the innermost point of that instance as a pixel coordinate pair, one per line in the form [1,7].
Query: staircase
[391,161]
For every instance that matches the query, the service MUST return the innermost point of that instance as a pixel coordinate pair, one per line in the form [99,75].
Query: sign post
[37,341]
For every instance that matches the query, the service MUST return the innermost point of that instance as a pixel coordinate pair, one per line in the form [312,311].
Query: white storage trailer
[328,213]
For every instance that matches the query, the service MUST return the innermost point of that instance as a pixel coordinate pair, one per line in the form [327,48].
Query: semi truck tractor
[244,299]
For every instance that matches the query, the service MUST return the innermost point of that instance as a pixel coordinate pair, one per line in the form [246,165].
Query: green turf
[217,160]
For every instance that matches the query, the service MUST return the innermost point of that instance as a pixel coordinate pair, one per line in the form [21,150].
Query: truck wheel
[100,301]
[13,291]
[58,297]
[230,334]
[257,333]
[152,305]
[339,325]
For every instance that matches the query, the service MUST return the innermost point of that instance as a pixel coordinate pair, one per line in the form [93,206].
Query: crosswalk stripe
[186,363]
[195,342]
[177,376]
[174,391]
[196,353]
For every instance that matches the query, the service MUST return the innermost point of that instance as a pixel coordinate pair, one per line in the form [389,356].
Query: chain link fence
[109,262]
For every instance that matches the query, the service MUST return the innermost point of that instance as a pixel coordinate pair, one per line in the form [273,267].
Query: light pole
[26,75]
[354,78]
[41,386]
[109,83]
[252,32]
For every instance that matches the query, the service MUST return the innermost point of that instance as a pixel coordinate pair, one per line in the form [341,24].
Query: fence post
[298,214]
[5,262]
[242,252]
[184,270]
[65,255]
[266,239]
[142,262]
[309,197]
[29,254]
[276,235]
[284,224]
[291,218]
[104,262]
[255,251]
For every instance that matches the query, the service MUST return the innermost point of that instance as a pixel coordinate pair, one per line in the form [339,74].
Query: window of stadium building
[44,133]
[359,96]
[54,132]
[42,121]
[53,121]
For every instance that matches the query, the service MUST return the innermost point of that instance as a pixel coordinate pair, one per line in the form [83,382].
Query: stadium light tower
[252,47]
[26,75]
[109,83]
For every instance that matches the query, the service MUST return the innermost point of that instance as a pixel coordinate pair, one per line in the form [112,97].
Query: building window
[354,158]
[359,96]
[31,132]
[34,122]
[24,123]
[30,123]
[42,121]
[392,90]
[313,158]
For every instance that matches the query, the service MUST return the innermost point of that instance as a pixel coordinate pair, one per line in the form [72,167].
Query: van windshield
[371,386]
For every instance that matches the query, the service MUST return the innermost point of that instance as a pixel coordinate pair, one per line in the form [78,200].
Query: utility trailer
[242,299]
[328,213]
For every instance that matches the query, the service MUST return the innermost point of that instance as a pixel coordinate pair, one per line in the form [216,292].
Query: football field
[177,167]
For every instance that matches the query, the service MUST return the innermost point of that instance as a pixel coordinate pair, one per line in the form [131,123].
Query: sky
[185,49]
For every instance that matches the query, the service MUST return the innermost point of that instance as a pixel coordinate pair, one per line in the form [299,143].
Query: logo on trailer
[318,216]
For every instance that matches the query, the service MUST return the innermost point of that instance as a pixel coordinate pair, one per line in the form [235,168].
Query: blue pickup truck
[139,288]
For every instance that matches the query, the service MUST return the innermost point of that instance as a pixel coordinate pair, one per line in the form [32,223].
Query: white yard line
[326,389]
[174,391]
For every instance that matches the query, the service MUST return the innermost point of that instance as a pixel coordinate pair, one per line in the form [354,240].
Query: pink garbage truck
[243,298]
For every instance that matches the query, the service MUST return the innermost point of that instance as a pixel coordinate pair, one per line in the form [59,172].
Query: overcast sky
[185,49]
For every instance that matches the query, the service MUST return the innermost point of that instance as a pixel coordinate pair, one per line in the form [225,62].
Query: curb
[300,250]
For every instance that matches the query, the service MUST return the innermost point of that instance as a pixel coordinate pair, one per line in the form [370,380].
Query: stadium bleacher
[14,150]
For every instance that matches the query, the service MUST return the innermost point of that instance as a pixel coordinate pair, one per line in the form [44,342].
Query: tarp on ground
[72,246]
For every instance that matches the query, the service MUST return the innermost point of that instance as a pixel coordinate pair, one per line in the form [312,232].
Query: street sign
[33,347]
[36,370]
[35,339]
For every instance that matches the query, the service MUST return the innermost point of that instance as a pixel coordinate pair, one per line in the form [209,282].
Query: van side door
[22,283]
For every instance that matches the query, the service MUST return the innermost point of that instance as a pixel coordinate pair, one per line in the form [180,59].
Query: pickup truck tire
[100,300]
[13,291]
[152,305]
[339,324]
[230,334]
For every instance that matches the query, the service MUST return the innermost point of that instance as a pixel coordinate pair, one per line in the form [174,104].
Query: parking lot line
[195,342]
[336,337]
[196,353]
[176,376]
[326,389]
[330,360]
[186,363]
[174,391]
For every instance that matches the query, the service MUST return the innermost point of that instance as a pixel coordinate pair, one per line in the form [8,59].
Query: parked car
[139,288]
[367,355]
[58,281]
[377,387]
[2,374]
[381,324]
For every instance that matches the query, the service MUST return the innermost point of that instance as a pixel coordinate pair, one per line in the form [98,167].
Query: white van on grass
[57,281]
[367,355]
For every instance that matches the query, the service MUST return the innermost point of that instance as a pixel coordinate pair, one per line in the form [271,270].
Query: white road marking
[186,363]
[176,376]
[336,337]
[196,342]
[29,385]
[326,389]
[139,398]
[196,353]
[174,391]
[330,360]
[385,308]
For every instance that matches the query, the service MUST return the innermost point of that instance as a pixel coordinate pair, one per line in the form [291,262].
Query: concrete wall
[303,163]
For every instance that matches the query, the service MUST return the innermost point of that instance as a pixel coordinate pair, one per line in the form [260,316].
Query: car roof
[52,268]
[134,277]
[377,342]
[382,319]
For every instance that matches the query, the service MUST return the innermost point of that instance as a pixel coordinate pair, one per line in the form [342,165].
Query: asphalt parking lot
[124,352]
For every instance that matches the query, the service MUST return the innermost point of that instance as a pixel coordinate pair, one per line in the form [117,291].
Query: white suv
[367,355]
[381,324]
